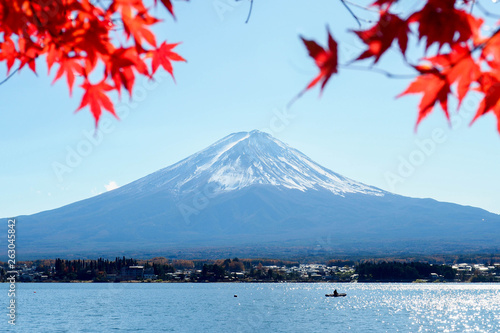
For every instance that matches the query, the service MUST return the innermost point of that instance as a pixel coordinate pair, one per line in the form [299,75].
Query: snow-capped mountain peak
[251,192]
[245,159]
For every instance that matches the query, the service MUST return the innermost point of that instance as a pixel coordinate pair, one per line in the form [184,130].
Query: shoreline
[251,282]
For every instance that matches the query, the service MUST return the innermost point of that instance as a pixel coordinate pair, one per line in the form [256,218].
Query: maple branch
[368,69]
[463,57]
[352,3]
[38,22]
[11,74]
[485,11]
[472,6]
[486,42]
[379,71]
[477,47]
[351,12]
[357,18]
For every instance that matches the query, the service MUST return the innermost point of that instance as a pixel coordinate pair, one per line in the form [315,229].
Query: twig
[38,22]
[295,98]
[351,12]
[249,11]
[485,11]
[380,71]
[362,7]
[8,77]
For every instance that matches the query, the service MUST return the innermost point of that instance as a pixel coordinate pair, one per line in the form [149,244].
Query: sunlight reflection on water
[283,307]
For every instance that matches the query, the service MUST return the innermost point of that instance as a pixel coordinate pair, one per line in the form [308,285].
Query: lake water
[283,307]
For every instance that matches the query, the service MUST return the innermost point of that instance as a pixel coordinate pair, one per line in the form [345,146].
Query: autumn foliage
[103,45]
[462,61]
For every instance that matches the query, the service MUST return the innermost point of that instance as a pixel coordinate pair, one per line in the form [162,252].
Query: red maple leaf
[163,56]
[491,51]
[325,58]
[440,22]
[120,65]
[70,66]
[381,36]
[490,86]
[458,66]
[81,36]
[168,5]
[136,25]
[90,37]
[28,52]
[435,89]
[382,3]
[53,56]
[96,98]
[128,4]
[8,53]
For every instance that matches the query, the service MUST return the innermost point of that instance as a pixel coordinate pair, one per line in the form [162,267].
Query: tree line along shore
[161,269]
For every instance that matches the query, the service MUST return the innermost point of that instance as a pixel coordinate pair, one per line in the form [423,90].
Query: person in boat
[335,293]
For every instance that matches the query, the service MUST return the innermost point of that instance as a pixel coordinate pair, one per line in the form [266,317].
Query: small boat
[336,295]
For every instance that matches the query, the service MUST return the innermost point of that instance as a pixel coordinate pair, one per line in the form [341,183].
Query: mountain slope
[250,190]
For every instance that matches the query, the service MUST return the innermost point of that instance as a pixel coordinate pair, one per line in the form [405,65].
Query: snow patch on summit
[250,158]
[219,154]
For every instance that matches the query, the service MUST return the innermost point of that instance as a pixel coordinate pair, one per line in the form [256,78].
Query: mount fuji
[251,193]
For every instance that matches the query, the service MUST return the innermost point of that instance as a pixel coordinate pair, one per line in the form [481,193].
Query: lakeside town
[247,270]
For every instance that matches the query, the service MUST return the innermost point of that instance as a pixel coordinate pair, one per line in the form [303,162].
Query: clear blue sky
[238,77]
